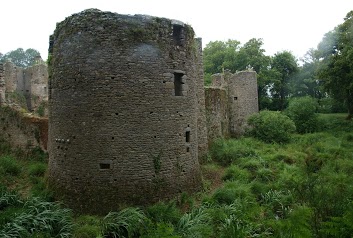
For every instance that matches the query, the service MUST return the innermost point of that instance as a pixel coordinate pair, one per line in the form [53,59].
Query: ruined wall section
[2,85]
[242,99]
[216,113]
[123,110]
[21,130]
[201,121]
[26,87]
[36,86]
[14,78]
[230,100]
[218,80]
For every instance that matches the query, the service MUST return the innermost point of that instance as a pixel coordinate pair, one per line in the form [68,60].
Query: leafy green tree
[336,69]
[217,53]
[231,55]
[302,111]
[252,54]
[284,66]
[266,81]
[20,57]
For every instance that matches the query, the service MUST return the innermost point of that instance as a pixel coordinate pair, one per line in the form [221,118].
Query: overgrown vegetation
[302,111]
[271,126]
[252,188]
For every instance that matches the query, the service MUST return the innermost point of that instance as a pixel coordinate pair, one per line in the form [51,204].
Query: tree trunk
[350,112]
[350,107]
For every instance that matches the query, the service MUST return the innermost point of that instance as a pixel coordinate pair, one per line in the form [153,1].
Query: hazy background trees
[336,68]
[325,73]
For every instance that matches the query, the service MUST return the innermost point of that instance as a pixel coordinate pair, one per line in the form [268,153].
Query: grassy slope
[301,189]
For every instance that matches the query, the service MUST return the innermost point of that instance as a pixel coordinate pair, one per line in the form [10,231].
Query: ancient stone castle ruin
[129,115]
[29,84]
[20,90]
[127,109]
[230,100]
[123,110]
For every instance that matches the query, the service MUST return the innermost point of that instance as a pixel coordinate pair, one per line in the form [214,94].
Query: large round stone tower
[123,110]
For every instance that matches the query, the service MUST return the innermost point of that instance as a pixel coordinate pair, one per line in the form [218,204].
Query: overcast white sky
[294,25]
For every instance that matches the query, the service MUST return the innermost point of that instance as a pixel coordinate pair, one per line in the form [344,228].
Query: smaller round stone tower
[242,100]
[123,110]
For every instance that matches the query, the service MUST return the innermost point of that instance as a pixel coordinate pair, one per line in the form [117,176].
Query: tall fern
[39,217]
[195,224]
[123,224]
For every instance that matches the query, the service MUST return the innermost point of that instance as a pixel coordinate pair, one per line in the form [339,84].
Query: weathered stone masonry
[31,83]
[129,113]
[230,100]
[22,130]
[124,111]
[2,85]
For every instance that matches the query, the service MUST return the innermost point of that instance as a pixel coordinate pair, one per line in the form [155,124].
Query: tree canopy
[336,71]
[20,57]
[274,73]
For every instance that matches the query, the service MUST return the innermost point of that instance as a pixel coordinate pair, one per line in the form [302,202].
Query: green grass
[9,166]
[251,189]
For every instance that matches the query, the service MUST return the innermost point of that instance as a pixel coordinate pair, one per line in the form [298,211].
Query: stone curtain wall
[13,77]
[36,78]
[201,122]
[30,83]
[2,85]
[230,100]
[216,113]
[123,111]
[21,130]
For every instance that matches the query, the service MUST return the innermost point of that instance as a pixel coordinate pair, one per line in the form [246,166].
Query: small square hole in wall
[235,98]
[104,166]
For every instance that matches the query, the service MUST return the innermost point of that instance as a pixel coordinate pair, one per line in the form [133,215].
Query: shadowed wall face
[2,85]
[123,110]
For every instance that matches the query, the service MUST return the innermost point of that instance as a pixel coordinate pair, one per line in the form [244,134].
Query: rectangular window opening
[178,34]
[187,136]
[104,166]
[178,88]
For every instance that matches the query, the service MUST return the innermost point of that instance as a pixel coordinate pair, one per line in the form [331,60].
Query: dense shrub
[303,112]
[271,126]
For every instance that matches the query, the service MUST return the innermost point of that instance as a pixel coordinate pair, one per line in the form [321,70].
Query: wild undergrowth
[252,188]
